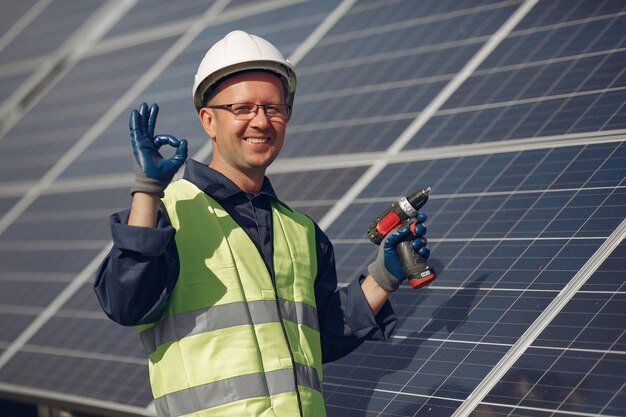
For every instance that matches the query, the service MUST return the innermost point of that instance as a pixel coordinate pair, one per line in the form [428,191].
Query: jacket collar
[217,185]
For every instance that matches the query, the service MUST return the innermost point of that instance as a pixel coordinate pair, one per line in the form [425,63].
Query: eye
[243,108]
[272,110]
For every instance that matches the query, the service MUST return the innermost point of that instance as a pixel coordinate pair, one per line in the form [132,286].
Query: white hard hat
[239,51]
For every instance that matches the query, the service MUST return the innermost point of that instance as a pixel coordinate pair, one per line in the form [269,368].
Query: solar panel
[512,111]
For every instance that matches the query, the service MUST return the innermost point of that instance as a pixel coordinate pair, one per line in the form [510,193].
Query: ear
[207,119]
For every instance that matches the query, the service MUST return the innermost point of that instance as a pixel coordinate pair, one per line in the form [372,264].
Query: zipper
[293,361]
[280,313]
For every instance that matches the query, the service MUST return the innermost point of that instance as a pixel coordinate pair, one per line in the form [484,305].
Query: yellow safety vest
[231,343]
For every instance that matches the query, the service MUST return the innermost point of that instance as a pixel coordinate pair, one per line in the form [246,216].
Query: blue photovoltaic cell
[328,139]
[29,292]
[326,187]
[360,89]
[594,317]
[405,375]
[10,15]
[22,301]
[66,113]
[406,12]
[12,325]
[150,14]
[59,229]
[525,120]
[84,301]
[47,32]
[104,379]
[580,37]
[576,364]
[566,76]
[554,12]
[528,272]
[609,276]
[89,201]
[8,84]
[322,185]
[73,331]
[34,261]
[531,173]
[383,71]
[417,29]
[6,204]
[571,81]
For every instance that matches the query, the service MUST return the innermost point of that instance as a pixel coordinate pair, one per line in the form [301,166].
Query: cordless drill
[403,213]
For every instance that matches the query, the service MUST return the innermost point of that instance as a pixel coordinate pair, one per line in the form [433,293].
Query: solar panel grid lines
[234,12]
[541,322]
[320,31]
[76,402]
[558,374]
[102,123]
[578,150]
[577,385]
[31,36]
[427,332]
[52,308]
[346,160]
[432,107]
[29,330]
[171,89]
[162,11]
[476,122]
[89,23]
[486,257]
[431,15]
[31,11]
[25,202]
[528,101]
[331,60]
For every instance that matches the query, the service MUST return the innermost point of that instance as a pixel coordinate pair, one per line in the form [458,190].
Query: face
[245,147]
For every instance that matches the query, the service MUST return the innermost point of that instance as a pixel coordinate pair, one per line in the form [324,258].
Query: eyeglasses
[247,111]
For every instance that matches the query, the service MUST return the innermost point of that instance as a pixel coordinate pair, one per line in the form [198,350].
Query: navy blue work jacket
[136,278]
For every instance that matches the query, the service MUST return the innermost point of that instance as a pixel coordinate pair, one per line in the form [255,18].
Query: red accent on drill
[403,213]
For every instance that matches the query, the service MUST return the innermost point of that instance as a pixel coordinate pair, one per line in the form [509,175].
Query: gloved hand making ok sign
[387,268]
[153,173]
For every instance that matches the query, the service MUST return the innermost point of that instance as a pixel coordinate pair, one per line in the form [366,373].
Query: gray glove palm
[387,268]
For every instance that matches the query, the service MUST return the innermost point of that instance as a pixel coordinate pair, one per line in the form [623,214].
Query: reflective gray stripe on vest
[299,313]
[308,377]
[223,316]
[233,389]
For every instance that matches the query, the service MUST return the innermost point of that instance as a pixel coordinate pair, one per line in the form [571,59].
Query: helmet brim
[207,86]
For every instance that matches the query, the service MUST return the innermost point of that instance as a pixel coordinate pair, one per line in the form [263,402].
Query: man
[234,293]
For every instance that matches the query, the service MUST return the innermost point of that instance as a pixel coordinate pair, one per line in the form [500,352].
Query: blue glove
[387,269]
[153,173]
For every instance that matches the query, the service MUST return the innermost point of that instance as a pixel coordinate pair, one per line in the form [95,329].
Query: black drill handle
[417,271]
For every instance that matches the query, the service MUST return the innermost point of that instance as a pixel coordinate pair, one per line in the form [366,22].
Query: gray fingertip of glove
[380,274]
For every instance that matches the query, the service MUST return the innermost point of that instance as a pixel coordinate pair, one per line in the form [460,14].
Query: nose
[260,120]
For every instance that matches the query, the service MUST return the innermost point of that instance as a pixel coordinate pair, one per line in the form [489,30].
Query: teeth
[257,140]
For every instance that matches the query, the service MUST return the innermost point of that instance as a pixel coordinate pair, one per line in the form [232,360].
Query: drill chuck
[404,209]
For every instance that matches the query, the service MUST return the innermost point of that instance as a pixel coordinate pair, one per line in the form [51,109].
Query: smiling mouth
[257,140]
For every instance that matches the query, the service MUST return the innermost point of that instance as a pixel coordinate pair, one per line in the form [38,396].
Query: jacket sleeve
[344,315]
[135,279]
